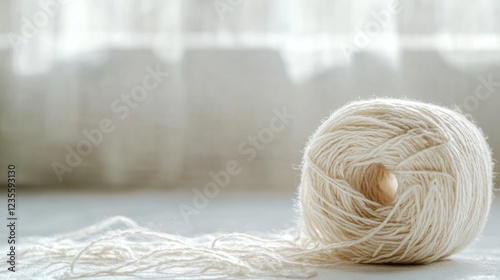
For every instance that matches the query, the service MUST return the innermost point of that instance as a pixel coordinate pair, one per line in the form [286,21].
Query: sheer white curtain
[310,35]
[230,64]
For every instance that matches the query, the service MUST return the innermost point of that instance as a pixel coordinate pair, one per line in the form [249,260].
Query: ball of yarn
[394,181]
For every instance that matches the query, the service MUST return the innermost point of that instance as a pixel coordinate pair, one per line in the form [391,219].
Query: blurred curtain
[78,57]
[310,35]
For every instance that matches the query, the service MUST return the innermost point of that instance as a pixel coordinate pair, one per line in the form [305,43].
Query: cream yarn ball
[394,181]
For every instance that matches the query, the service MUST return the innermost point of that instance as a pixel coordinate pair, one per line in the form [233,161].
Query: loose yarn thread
[383,181]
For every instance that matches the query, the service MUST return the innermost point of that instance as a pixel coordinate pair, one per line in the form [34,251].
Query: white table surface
[52,213]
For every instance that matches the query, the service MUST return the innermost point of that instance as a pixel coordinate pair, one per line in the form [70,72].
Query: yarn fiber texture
[383,181]
[395,181]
